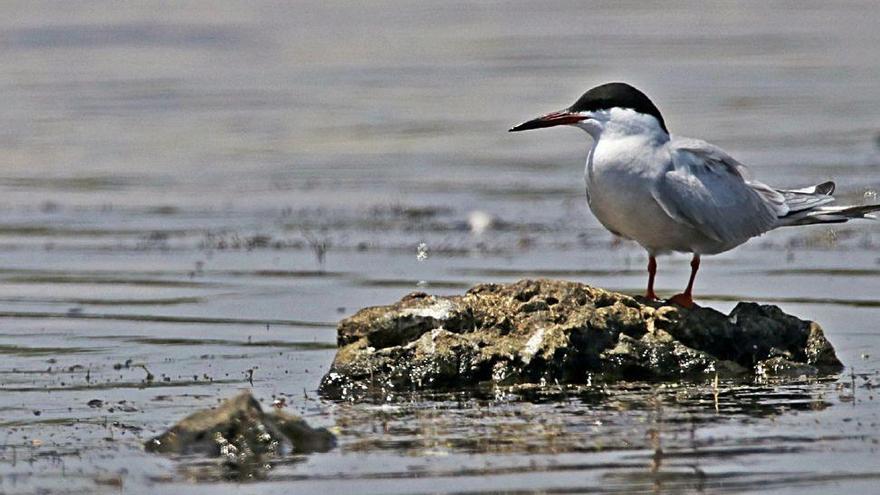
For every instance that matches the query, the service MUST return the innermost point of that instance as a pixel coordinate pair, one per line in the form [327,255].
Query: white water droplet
[832,237]
[422,252]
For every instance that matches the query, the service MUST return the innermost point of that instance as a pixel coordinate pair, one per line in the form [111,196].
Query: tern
[671,193]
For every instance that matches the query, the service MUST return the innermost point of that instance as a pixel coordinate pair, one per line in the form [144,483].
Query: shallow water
[198,194]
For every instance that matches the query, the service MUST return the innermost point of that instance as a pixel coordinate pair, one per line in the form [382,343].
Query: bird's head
[616,105]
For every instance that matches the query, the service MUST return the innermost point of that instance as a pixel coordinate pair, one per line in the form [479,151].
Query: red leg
[686,299]
[652,270]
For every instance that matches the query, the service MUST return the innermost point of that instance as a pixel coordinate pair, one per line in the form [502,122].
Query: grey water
[199,191]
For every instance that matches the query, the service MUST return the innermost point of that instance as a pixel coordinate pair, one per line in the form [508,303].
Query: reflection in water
[566,419]
[637,436]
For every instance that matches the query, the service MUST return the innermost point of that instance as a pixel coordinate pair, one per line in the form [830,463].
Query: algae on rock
[552,331]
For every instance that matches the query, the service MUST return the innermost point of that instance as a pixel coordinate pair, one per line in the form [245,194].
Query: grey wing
[708,190]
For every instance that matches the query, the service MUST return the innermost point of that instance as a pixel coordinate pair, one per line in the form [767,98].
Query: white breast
[620,174]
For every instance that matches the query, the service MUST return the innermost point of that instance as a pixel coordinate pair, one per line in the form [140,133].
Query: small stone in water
[422,252]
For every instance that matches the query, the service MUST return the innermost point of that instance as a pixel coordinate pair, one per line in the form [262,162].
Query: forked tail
[811,205]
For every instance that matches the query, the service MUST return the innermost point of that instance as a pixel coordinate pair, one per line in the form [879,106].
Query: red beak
[550,120]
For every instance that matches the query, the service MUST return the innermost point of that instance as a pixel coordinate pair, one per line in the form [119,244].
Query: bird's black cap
[617,94]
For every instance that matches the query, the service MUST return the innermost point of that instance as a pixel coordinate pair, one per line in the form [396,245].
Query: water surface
[198,193]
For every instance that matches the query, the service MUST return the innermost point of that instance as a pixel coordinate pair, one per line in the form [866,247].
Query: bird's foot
[684,300]
[651,296]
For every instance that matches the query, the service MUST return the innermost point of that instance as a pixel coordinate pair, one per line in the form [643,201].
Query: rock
[241,434]
[781,367]
[551,331]
[658,355]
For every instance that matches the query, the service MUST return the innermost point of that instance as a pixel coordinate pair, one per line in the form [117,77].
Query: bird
[676,194]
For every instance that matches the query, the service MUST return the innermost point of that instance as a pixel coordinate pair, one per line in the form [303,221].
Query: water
[199,193]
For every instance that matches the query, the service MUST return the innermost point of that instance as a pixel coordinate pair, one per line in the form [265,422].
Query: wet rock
[551,331]
[242,435]
[658,355]
[781,367]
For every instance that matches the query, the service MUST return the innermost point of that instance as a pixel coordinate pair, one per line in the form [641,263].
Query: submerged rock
[242,435]
[535,331]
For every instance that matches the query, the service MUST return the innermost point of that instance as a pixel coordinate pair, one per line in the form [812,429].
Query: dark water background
[198,191]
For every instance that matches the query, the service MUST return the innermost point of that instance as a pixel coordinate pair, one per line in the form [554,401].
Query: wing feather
[707,189]
[802,200]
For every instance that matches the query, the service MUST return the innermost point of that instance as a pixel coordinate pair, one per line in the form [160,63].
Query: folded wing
[707,189]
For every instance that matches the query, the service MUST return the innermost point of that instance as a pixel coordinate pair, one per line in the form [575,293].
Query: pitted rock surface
[553,331]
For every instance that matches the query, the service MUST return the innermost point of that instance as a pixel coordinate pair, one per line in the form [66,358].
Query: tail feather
[831,214]
[810,205]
